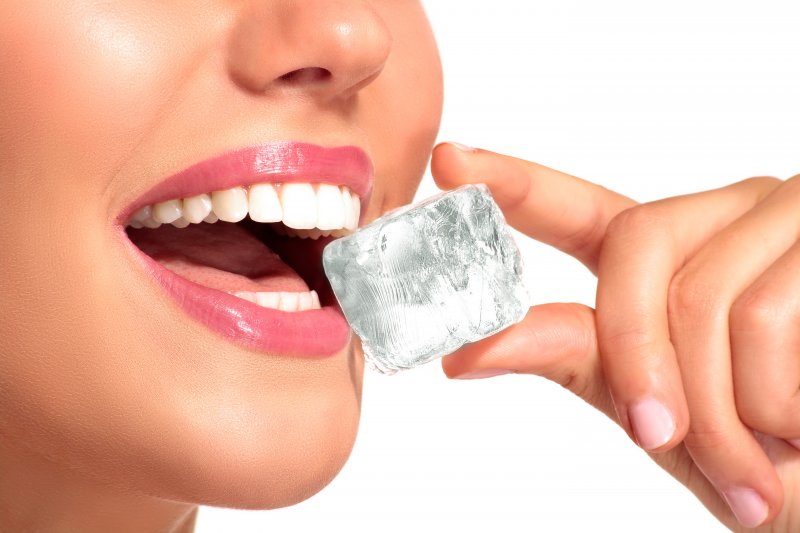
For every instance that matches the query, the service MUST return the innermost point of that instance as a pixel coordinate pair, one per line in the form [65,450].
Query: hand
[697,296]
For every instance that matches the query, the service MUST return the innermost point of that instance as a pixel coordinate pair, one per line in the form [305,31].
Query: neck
[42,496]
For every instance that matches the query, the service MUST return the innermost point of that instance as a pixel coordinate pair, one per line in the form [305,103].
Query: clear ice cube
[423,280]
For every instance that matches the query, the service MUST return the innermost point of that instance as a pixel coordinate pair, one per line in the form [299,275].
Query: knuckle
[643,219]
[794,181]
[761,414]
[757,310]
[768,181]
[587,235]
[691,298]
[791,186]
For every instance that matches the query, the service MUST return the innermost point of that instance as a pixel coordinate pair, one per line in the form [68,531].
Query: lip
[307,334]
[277,162]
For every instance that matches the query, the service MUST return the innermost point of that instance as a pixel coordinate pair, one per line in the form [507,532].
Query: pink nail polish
[653,424]
[750,509]
[483,373]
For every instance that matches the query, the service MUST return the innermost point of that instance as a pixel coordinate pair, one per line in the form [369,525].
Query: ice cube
[423,280]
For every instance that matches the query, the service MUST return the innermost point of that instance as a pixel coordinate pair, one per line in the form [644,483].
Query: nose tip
[328,48]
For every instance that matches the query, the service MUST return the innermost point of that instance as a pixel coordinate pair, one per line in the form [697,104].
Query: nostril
[303,76]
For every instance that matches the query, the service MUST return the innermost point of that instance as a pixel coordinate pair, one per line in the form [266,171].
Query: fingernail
[462,147]
[483,373]
[653,424]
[750,509]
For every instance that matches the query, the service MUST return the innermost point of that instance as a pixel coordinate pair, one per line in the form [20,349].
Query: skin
[119,412]
[697,307]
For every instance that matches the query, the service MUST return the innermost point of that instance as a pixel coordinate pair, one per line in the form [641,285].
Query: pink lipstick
[310,333]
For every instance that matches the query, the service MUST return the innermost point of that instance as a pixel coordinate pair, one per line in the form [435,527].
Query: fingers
[765,339]
[765,320]
[556,341]
[643,249]
[700,300]
[552,207]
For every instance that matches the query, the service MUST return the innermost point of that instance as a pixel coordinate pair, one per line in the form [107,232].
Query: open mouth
[246,260]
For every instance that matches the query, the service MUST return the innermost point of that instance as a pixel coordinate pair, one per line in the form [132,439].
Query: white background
[651,99]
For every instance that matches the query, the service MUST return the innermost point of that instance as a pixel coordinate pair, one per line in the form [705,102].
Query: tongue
[221,256]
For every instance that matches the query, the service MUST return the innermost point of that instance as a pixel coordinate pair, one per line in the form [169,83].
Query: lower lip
[307,334]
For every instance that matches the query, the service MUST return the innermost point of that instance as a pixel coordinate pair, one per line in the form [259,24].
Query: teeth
[305,210]
[230,205]
[352,210]
[264,203]
[289,301]
[312,233]
[168,211]
[283,301]
[304,301]
[197,208]
[268,299]
[144,218]
[151,223]
[299,205]
[330,207]
[180,223]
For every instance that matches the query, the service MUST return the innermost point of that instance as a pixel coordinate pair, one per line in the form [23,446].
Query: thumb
[555,341]
[549,206]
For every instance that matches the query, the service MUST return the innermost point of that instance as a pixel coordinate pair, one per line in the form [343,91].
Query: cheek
[80,86]
[405,107]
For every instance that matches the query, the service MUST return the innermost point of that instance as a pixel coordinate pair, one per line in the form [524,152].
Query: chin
[281,449]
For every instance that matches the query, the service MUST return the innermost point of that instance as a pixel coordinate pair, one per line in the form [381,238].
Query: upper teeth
[322,208]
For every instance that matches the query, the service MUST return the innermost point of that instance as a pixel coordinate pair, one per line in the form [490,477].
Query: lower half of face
[194,363]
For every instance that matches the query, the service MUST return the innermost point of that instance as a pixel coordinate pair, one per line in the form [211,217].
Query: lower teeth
[314,233]
[282,301]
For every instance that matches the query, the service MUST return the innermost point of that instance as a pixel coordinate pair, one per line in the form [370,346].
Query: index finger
[563,211]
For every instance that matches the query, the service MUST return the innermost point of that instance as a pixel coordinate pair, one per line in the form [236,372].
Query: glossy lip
[279,162]
[309,334]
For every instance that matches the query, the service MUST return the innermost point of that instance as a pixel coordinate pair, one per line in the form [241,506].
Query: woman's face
[140,369]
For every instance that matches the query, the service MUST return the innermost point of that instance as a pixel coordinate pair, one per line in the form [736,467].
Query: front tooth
[299,204]
[264,203]
[315,300]
[230,205]
[169,211]
[289,301]
[196,208]
[330,207]
[350,202]
[211,218]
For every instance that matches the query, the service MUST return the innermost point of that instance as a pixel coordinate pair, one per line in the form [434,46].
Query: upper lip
[278,162]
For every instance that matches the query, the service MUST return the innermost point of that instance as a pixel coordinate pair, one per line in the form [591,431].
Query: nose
[328,48]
